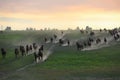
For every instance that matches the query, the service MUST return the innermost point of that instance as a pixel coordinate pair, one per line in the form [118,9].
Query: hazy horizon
[60,14]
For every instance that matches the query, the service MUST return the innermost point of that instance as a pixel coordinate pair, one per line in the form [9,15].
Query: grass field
[65,63]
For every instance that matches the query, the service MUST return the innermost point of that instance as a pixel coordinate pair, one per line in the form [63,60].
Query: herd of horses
[87,43]
[38,50]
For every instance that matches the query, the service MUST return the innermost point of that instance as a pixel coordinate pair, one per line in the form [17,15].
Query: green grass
[65,63]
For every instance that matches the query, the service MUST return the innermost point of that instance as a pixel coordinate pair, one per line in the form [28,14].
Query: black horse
[61,42]
[41,48]
[3,52]
[55,36]
[51,39]
[91,39]
[22,50]
[116,37]
[27,49]
[16,52]
[34,46]
[40,55]
[89,43]
[68,42]
[105,40]
[31,47]
[98,40]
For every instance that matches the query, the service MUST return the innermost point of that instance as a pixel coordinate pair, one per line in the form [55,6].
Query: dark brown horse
[79,46]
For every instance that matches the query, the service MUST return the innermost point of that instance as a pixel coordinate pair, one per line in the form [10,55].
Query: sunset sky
[60,14]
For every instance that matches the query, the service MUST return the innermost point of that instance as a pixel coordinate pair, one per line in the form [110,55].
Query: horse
[105,40]
[100,30]
[40,55]
[3,52]
[89,43]
[41,48]
[98,40]
[51,39]
[79,46]
[116,37]
[22,50]
[68,42]
[31,47]
[90,39]
[34,46]
[16,52]
[27,48]
[61,41]
[55,36]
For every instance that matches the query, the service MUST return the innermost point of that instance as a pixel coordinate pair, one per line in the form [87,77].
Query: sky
[60,14]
